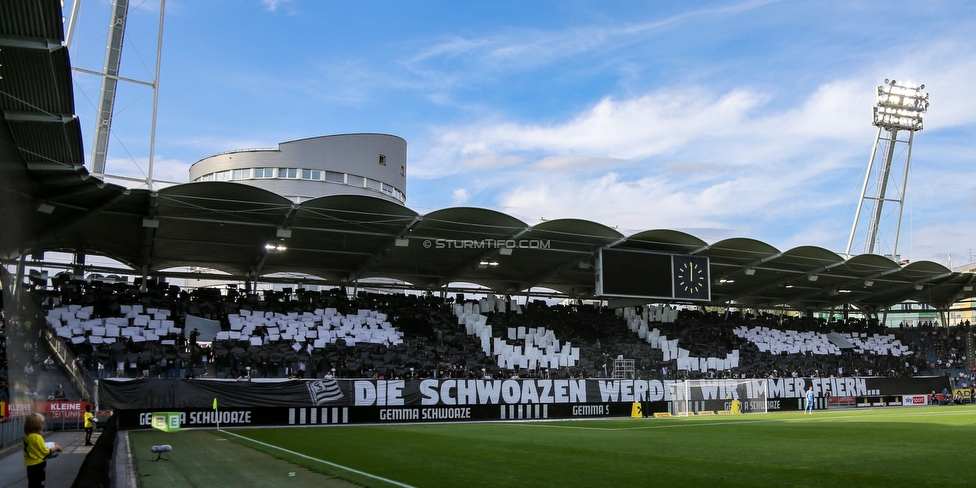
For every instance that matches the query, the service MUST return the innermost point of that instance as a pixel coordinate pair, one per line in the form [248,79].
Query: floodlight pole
[152,131]
[110,78]
[75,7]
[900,108]
[110,73]
[879,197]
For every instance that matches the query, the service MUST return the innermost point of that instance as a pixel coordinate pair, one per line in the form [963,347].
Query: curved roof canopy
[50,202]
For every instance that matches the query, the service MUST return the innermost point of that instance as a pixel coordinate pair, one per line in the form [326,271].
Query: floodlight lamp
[919,287]
[45,208]
[900,106]
[813,277]
[750,271]
[275,247]
[868,283]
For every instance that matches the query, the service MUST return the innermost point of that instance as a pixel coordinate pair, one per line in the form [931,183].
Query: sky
[719,119]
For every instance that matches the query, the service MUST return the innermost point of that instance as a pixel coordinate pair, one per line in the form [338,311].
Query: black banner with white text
[355,401]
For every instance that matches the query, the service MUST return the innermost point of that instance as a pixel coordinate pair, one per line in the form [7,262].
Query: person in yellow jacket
[36,451]
[89,424]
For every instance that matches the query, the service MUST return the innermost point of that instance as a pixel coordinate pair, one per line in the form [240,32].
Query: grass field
[883,447]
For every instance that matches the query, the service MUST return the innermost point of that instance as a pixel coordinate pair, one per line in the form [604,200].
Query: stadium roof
[51,203]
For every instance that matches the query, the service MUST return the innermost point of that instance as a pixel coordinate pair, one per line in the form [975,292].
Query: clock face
[691,278]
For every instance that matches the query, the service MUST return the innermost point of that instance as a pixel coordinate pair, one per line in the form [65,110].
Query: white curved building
[349,164]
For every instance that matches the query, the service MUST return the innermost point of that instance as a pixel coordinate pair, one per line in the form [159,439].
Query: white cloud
[655,124]
[738,161]
[521,48]
[490,161]
[460,196]
[947,69]
[272,5]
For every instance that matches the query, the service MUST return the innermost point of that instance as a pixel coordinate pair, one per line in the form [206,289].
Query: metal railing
[82,382]
[11,431]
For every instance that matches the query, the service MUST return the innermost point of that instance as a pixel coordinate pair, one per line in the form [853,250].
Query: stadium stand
[116,330]
[4,377]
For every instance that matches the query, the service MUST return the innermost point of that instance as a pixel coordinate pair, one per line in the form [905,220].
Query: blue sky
[720,119]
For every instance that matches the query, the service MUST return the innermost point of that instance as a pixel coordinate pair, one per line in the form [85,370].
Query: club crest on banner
[324,391]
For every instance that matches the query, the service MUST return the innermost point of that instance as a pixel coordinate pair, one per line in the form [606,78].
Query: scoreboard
[642,274]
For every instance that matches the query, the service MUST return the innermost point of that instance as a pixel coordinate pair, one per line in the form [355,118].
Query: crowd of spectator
[717,331]
[435,345]
[4,384]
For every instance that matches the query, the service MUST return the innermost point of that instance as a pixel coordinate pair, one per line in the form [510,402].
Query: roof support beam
[549,273]
[910,291]
[53,166]
[766,285]
[365,264]
[67,224]
[149,225]
[255,270]
[38,117]
[959,295]
[456,272]
[48,45]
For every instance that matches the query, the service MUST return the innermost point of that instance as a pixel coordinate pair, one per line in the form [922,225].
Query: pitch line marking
[310,458]
[762,421]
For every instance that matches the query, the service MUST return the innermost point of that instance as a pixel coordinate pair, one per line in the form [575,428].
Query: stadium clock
[691,277]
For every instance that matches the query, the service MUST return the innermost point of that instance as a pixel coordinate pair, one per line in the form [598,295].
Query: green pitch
[883,447]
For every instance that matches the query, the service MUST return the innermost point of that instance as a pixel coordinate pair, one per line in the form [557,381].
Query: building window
[383,160]
[373,184]
[316,174]
[389,190]
[287,172]
[242,174]
[335,177]
[264,172]
[353,180]
[403,170]
[306,174]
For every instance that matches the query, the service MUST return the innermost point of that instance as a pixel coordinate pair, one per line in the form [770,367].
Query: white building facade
[344,164]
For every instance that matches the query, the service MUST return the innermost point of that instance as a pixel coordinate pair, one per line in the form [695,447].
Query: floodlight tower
[110,79]
[899,110]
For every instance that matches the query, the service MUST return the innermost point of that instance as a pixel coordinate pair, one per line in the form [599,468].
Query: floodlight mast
[110,81]
[900,108]
[110,78]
